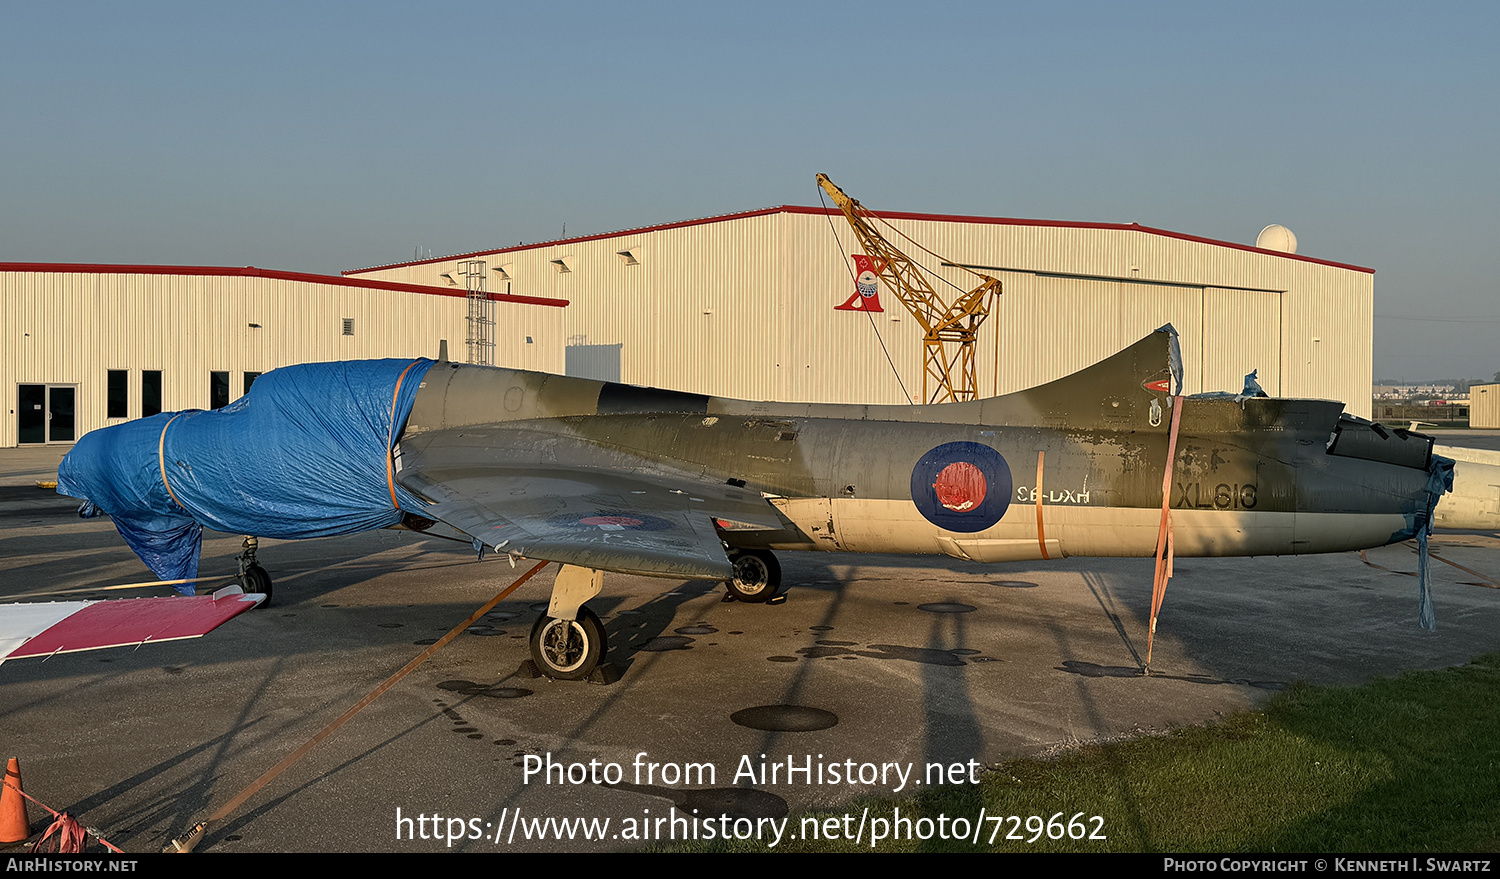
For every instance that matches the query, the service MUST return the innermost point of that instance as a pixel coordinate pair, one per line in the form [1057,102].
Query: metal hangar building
[741,305]
[744,305]
[87,346]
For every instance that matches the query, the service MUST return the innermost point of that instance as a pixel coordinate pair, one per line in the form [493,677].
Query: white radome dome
[1276,237]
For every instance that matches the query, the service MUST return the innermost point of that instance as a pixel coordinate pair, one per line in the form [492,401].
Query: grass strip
[1406,764]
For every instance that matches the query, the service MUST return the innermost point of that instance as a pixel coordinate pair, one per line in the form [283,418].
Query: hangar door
[1224,333]
[1047,326]
[1242,331]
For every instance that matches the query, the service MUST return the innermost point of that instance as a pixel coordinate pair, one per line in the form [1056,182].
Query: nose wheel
[253,578]
[757,575]
[568,650]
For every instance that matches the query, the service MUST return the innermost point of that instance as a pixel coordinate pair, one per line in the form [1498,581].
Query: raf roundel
[611,520]
[963,487]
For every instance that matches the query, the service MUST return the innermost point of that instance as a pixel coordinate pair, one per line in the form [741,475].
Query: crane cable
[942,259]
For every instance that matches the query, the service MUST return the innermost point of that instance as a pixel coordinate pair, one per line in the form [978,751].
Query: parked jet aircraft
[606,477]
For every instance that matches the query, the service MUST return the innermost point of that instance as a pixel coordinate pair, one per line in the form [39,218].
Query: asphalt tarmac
[875,666]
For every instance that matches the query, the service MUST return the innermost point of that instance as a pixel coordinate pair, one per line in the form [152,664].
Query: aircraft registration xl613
[606,477]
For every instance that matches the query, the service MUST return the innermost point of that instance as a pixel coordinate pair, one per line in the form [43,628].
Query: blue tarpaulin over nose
[304,454]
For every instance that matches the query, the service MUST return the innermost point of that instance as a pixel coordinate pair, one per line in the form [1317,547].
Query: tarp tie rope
[390,437]
[161,459]
[1165,548]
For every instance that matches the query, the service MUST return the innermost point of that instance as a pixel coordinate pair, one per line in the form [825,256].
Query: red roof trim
[782,209]
[272,274]
[1120,227]
[889,215]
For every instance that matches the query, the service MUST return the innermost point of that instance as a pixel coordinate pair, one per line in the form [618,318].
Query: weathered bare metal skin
[1251,475]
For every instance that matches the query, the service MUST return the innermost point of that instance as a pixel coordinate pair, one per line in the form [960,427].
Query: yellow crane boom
[950,328]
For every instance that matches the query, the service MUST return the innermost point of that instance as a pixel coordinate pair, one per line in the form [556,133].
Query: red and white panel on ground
[70,626]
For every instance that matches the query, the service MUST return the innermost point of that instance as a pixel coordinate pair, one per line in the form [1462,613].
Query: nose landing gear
[253,578]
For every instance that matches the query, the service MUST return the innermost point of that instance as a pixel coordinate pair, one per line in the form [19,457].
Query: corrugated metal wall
[744,307]
[73,327]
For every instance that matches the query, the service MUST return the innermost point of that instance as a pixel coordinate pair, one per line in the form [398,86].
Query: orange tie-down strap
[1164,542]
[390,437]
[270,774]
[161,458]
[1041,531]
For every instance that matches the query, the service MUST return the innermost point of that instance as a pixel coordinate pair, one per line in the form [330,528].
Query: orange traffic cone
[13,824]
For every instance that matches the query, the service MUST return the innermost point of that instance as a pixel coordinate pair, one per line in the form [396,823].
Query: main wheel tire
[757,575]
[568,650]
[255,579]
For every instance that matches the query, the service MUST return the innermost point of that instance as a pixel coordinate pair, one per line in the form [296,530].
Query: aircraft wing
[45,628]
[578,504]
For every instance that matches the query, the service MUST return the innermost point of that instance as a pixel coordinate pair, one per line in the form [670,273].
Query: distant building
[1402,413]
[1484,406]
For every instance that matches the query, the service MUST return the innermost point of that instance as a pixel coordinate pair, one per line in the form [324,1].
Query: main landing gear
[568,643]
[253,578]
[757,575]
[568,650]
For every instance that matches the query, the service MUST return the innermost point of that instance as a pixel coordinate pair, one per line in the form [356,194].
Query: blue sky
[327,136]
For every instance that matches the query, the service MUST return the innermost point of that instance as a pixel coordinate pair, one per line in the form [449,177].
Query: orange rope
[1493,584]
[1467,571]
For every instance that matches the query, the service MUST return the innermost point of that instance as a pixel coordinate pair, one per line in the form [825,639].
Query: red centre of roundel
[960,487]
[609,520]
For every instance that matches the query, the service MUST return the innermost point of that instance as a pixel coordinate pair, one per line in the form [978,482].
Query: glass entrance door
[31,414]
[46,414]
[60,421]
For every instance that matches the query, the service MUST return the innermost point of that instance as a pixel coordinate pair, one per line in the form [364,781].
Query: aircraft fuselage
[971,480]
